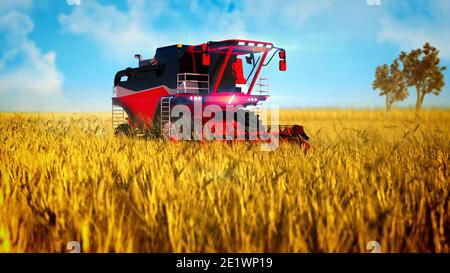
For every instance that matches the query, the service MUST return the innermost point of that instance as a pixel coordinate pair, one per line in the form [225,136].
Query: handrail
[186,85]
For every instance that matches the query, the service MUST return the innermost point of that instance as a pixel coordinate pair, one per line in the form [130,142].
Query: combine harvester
[202,75]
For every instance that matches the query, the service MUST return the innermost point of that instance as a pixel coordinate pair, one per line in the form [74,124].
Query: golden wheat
[371,176]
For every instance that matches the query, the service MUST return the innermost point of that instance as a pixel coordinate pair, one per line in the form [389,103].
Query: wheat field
[370,176]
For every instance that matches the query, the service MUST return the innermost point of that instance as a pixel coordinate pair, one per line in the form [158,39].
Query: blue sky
[56,55]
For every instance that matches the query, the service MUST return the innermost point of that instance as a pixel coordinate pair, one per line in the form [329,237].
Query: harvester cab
[223,73]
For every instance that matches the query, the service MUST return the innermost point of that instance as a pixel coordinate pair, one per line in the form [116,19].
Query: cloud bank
[408,32]
[138,29]
[28,76]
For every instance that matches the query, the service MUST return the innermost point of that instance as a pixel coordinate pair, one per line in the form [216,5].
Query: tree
[391,83]
[421,70]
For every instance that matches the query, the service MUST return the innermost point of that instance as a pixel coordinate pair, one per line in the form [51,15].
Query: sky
[62,55]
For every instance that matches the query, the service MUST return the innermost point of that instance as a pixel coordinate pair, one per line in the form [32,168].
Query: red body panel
[144,103]
[238,72]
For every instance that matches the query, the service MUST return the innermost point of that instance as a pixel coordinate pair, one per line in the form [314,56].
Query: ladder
[263,86]
[165,116]
[118,116]
[263,89]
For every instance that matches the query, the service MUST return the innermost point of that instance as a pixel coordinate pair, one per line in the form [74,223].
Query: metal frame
[182,79]
[165,108]
[255,78]
[118,115]
[225,62]
[263,86]
[222,69]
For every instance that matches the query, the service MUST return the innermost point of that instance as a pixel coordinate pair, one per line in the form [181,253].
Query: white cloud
[118,33]
[408,37]
[292,14]
[73,2]
[373,2]
[419,29]
[25,71]
[121,33]
[302,10]
[15,5]
[138,29]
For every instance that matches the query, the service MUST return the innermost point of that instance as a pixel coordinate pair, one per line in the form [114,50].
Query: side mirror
[206,59]
[282,65]
[248,59]
[282,54]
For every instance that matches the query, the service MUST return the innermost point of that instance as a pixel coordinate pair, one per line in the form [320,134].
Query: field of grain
[371,176]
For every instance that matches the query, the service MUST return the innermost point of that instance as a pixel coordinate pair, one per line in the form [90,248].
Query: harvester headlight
[195,98]
[251,44]
[241,43]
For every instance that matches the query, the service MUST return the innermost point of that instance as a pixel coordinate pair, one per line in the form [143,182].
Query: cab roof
[239,46]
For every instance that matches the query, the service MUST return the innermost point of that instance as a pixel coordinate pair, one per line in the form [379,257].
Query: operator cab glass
[230,66]
[192,77]
[238,73]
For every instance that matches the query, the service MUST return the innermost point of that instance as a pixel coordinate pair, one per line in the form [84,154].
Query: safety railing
[262,89]
[192,83]
[118,113]
[263,86]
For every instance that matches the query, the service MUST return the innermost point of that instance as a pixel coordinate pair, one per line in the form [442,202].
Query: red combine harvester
[222,73]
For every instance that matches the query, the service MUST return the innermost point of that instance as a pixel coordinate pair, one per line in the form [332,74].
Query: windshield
[238,73]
